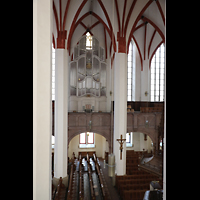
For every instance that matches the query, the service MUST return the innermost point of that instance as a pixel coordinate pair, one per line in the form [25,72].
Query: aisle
[111,189]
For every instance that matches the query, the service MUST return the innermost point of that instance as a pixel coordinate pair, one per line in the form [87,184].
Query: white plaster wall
[77,103]
[139,143]
[100,146]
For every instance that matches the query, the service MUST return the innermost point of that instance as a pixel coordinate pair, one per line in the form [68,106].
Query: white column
[145,81]
[164,139]
[61,113]
[108,85]
[42,113]
[120,109]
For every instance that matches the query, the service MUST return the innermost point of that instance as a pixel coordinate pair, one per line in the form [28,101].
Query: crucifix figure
[121,142]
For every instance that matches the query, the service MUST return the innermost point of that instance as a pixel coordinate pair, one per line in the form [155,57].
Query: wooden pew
[91,183]
[81,188]
[84,153]
[69,192]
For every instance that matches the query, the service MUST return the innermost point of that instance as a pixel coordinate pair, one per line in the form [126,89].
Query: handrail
[80,185]
[151,170]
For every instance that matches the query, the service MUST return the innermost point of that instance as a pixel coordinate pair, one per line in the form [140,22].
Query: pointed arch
[155,26]
[138,48]
[73,24]
[154,53]
[136,21]
[151,42]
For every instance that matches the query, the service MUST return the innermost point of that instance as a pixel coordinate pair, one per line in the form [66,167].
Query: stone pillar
[42,113]
[120,109]
[61,113]
[145,81]
[164,141]
[108,85]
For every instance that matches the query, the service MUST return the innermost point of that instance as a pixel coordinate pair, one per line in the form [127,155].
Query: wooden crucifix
[121,142]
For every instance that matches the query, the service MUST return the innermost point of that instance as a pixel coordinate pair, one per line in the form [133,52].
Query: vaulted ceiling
[114,22]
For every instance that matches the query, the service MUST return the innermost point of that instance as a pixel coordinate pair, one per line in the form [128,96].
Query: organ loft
[99,99]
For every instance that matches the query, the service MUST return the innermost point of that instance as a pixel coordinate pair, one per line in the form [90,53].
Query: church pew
[81,191]
[104,188]
[132,194]
[69,192]
[91,183]
[84,153]
[133,187]
[101,182]
[143,180]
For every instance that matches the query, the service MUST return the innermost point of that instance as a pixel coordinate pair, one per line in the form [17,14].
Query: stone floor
[114,195]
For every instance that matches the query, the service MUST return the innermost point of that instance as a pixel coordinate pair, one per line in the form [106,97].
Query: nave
[86,181]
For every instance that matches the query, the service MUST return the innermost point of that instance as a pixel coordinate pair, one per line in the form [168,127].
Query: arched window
[158,74]
[131,73]
[88,41]
[86,140]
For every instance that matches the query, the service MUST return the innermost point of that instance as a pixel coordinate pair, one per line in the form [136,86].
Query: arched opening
[139,141]
[88,142]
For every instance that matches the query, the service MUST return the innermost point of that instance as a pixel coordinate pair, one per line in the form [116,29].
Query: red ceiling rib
[111,34]
[154,53]
[80,19]
[65,15]
[56,16]
[96,23]
[91,27]
[145,34]
[53,40]
[136,21]
[110,47]
[106,14]
[138,52]
[156,27]
[73,24]
[99,20]
[109,23]
[161,12]
[112,59]
[118,18]
[84,26]
[128,17]
[123,17]
[139,26]
[151,42]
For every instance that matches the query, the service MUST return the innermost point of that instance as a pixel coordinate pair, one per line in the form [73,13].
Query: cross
[121,141]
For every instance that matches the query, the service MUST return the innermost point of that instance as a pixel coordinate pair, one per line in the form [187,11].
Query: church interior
[99,94]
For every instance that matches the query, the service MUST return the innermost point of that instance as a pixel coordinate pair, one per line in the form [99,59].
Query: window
[53,73]
[82,138]
[158,74]
[129,139]
[131,73]
[88,41]
[86,140]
